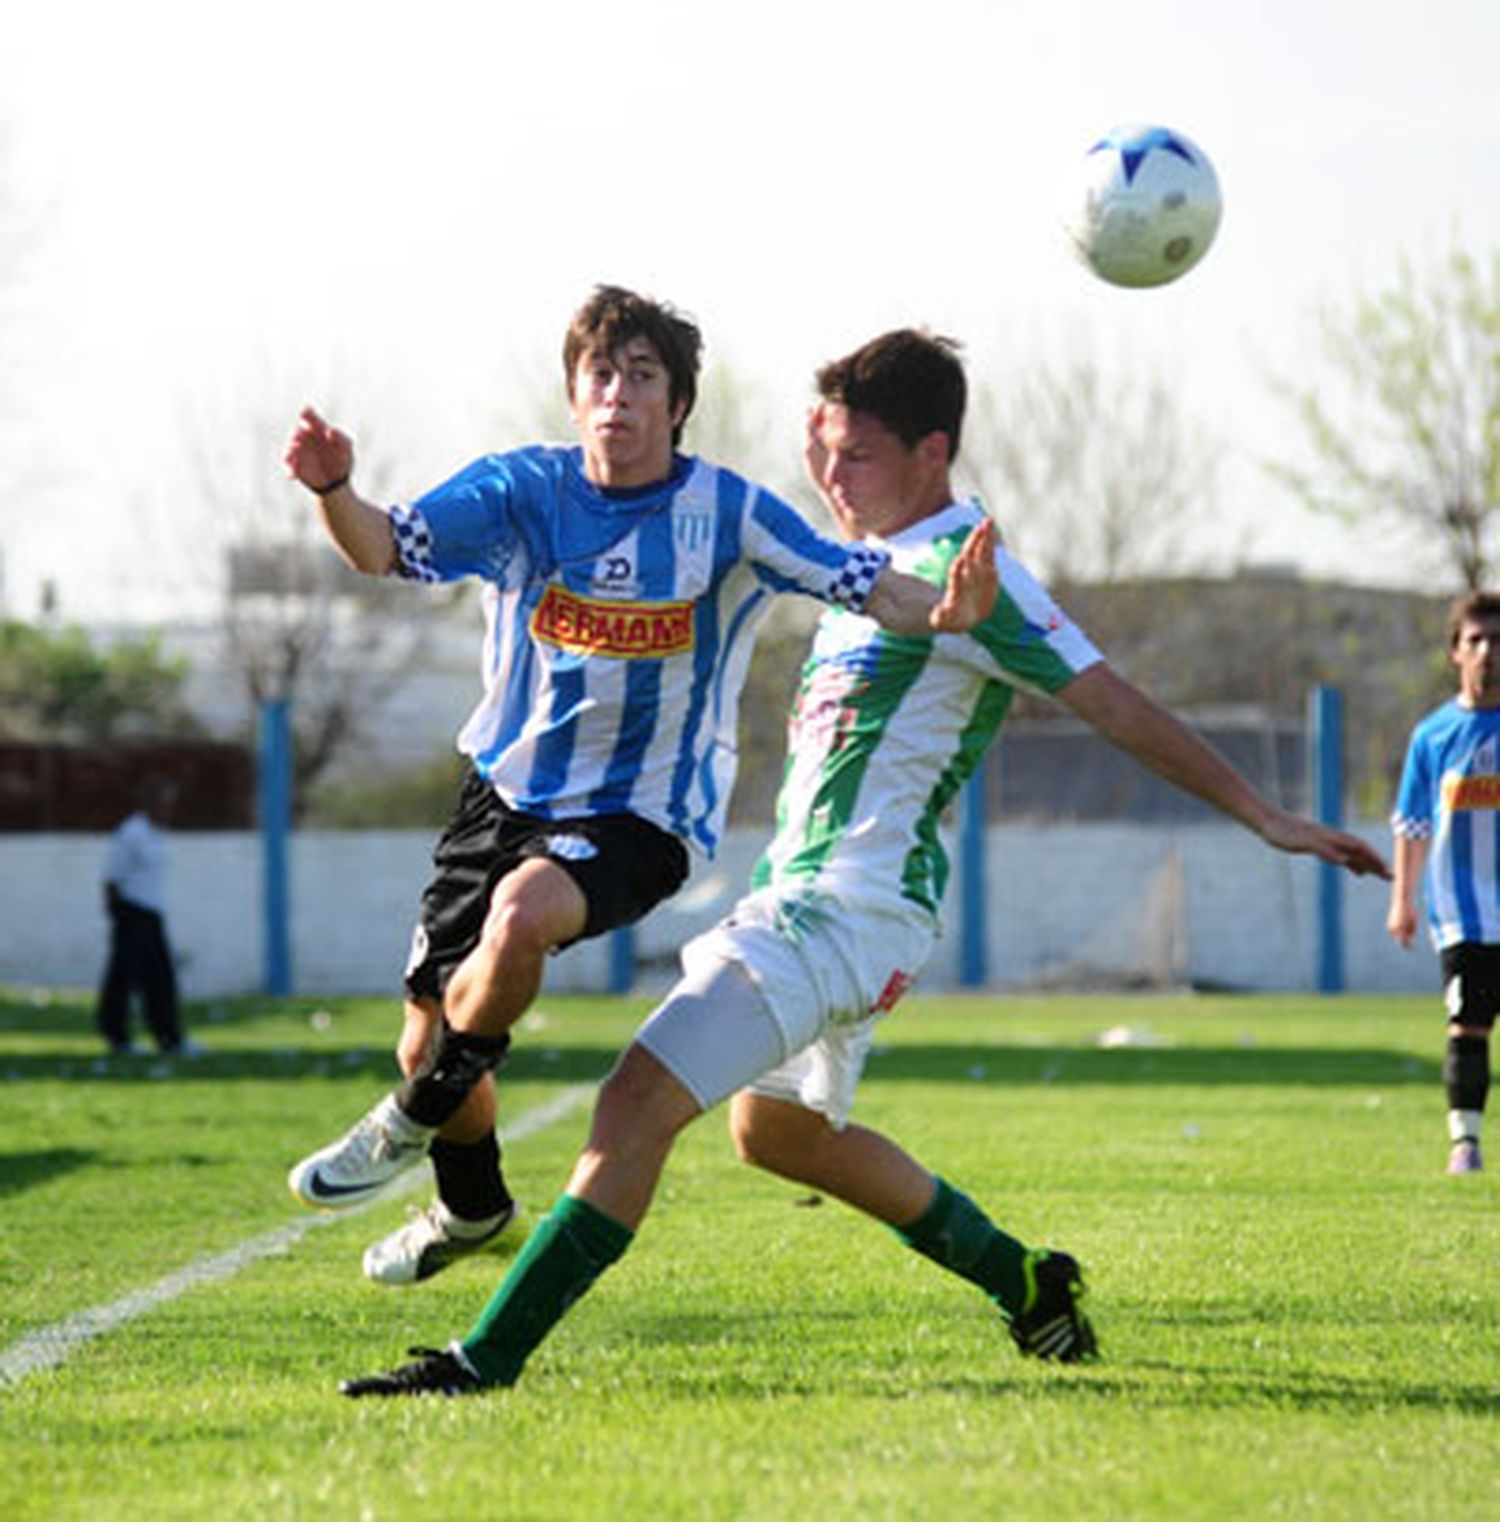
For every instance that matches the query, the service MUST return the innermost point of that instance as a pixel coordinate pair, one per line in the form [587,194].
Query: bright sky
[239,207]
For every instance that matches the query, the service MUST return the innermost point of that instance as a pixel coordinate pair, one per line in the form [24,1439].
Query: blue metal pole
[973,927]
[275,828]
[1326,728]
[622,960]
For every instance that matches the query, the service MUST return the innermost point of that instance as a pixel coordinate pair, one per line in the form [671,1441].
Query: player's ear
[933,450]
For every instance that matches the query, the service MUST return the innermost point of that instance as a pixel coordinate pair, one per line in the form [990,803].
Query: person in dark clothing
[140,956]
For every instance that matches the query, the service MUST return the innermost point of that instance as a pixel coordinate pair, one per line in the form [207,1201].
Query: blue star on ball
[1133,144]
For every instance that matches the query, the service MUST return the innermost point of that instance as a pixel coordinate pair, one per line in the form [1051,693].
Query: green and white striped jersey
[886,728]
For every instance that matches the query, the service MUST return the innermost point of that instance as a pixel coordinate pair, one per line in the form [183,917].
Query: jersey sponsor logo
[628,630]
[1460,793]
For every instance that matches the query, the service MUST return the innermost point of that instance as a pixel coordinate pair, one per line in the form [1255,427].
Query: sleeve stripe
[852,586]
[413,545]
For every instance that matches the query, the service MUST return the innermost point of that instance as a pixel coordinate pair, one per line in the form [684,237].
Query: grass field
[1300,1314]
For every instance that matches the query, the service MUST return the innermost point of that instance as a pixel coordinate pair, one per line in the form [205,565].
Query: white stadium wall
[1074,905]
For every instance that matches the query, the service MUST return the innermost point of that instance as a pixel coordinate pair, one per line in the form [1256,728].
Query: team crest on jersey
[692,527]
[597,626]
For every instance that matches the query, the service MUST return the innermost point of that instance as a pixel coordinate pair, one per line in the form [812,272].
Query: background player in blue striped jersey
[1446,826]
[623,582]
[778,1003]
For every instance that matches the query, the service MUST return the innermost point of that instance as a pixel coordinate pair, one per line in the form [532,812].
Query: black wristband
[331,487]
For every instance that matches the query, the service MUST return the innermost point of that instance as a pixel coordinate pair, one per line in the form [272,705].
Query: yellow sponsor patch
[629,630]
[1470,793]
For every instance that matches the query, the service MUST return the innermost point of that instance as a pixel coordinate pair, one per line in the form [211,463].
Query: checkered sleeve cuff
[1411,829]
[413,545]
[851,587]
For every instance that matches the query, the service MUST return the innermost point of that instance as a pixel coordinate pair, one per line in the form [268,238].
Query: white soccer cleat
[362,1162]
[428,1243]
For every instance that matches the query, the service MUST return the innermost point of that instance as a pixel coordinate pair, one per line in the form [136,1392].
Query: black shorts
[1471,983]
[624,865]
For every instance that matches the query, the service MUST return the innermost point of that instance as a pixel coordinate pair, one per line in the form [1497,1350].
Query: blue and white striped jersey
[1450,793]
[619,625]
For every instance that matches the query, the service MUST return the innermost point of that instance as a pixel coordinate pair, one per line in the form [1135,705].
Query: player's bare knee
[1468,1032]
[779,1138]
[747,1136]
[635,1095]
[513,928]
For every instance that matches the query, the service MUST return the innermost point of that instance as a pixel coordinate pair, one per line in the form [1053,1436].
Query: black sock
[1466,1072]
[469,1180]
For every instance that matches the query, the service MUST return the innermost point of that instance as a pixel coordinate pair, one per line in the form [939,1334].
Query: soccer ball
[1145,207]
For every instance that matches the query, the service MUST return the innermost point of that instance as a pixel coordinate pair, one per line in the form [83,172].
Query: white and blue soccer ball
[1143,207]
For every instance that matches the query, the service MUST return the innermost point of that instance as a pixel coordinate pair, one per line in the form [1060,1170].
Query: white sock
[1464,1123]
[457,1226]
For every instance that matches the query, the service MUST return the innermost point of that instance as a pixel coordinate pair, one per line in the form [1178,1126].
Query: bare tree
[1094,474]
[1408,433]
[297,624]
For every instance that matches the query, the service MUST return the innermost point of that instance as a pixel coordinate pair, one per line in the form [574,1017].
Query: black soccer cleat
[434,1372]
[1051,1325]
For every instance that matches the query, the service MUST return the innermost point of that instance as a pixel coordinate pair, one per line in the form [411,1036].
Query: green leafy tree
[1405,431]
[57,685]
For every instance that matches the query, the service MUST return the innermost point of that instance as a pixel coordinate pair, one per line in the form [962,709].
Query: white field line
[49,1346]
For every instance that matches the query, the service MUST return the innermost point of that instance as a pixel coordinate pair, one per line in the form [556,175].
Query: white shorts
[782,997]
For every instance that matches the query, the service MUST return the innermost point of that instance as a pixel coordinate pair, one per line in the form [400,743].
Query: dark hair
[613,316]
[1472,605]
[911,381]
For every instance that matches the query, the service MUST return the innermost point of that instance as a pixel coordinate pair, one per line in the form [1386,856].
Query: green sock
[570,1248]
[954,1232]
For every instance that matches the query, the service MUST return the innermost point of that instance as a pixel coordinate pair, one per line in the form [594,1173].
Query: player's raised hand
[1291,832]
[972,586]
[319,455]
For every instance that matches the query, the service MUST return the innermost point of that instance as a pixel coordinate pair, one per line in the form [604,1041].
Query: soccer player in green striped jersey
[778,1003]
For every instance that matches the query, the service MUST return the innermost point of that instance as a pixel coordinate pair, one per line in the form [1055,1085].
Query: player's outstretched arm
[1123,714]
[1300,836]
[908,605]
[321,457]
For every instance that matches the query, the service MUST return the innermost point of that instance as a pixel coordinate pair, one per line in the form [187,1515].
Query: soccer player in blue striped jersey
[1446,827]
[778,1004]
[623,582]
